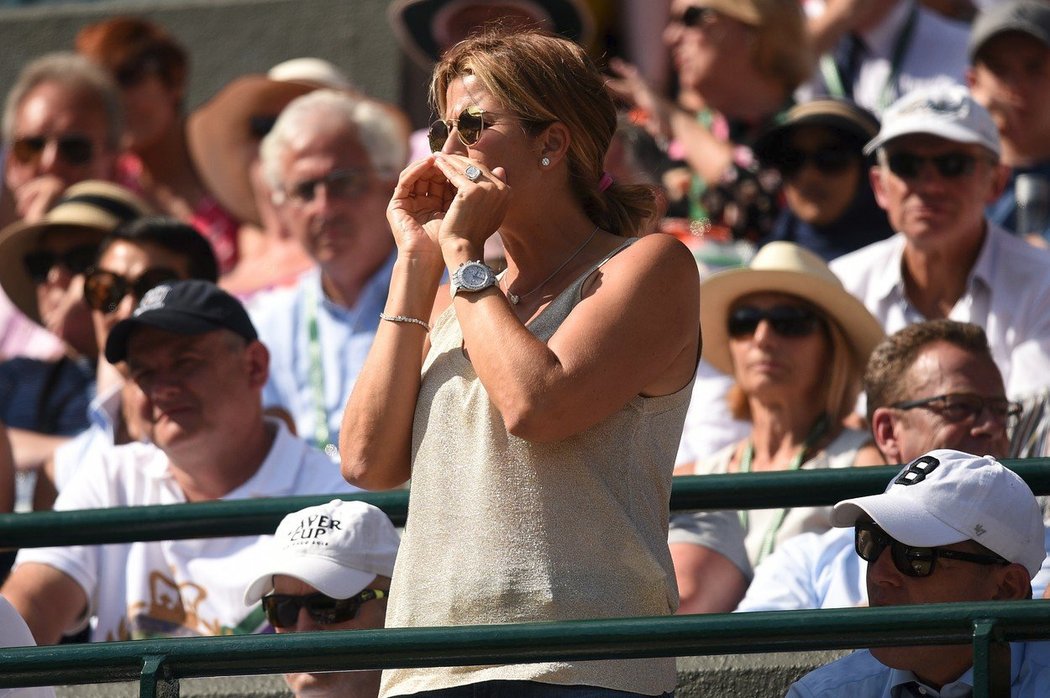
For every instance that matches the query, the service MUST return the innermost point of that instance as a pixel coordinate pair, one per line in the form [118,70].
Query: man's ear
[883,430]
[257,357]
[1014,584]
[875,178]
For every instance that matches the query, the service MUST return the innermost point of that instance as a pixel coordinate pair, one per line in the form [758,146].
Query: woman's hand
[478,207]
[420,200]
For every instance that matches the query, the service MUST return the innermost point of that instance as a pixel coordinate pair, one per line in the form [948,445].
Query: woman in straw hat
[796,344]
[540,431]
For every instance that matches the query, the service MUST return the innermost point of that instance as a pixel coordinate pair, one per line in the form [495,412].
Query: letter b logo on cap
[917,471]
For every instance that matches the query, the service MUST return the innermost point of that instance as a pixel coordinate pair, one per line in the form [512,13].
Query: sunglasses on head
[910,560]
[469,125]
[829,160]
[104,290]
[949,166]
[282,610]
[76,259]
[339,184]
[695,16]
[73,149]
[786,320]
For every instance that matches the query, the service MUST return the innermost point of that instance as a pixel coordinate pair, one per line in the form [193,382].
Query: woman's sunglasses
[786,321]
[910,560]
[469,125]
[827,161]
[282,610]
[73,149]
[76,259]
[104,290]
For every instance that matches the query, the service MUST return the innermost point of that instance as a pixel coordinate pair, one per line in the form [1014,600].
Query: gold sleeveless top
[502,530]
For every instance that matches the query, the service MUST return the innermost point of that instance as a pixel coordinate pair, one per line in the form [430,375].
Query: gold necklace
[516,298]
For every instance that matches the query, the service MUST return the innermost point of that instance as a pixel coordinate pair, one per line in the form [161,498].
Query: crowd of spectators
[242,301]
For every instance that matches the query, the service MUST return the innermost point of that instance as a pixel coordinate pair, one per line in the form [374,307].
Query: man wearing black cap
[193,351]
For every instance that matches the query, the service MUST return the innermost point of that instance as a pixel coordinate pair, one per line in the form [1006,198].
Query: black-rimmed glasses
[910,560]
[282,610]
[959,407]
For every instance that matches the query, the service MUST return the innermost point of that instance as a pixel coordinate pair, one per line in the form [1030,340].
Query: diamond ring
[472,173]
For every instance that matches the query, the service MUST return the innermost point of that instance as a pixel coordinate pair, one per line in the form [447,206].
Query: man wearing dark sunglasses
[938,153]
[328,568]
[950,527]
[331,161]
[63,125]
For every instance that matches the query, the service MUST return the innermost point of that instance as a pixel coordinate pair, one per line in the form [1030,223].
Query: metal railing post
[157,680]
[991,660]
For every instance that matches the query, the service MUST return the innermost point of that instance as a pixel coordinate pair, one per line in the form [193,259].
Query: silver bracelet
[404,318]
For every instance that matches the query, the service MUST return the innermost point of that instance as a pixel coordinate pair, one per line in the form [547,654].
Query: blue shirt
[282,318]
[50,397]
[860,675]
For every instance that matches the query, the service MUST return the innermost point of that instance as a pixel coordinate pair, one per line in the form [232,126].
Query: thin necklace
[516,298]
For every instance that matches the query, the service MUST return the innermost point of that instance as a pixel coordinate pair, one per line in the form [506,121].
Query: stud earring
[545,161]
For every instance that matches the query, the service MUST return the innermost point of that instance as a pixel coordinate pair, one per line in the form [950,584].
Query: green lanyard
[322,435]
[835,83]
[812,438]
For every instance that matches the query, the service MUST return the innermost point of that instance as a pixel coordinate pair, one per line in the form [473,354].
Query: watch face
[474,276]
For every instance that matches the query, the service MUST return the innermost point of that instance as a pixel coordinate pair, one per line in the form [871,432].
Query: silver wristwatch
[472,277]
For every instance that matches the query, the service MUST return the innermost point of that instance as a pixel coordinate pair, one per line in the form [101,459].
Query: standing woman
[539,417]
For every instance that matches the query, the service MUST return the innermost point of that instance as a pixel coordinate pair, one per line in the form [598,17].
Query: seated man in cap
[194,353]
[938,153]
[950,527]
[328,568]
[931,385]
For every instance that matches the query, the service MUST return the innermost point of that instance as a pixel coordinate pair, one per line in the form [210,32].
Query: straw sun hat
[783,267]
[93,206]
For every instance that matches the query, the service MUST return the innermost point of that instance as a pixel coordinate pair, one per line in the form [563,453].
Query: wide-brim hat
[224,136]
[784,267]
[417,24]
[855,122]
[94,206]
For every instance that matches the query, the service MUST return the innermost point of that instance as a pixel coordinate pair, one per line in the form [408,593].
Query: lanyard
[834,79]
[322,435]
[812,438]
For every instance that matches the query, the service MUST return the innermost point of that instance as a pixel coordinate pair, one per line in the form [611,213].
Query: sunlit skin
[130,260]
[60,298]
[942,368]
[352,684]
[1011,78]
[816,197]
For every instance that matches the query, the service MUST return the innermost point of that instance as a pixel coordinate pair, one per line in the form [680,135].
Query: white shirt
[182,587]
[860,675]
[15,633]
[1007,294]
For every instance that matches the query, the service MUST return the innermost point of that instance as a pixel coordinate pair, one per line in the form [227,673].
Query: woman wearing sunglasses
[818,151]
[796,344]
[537,412]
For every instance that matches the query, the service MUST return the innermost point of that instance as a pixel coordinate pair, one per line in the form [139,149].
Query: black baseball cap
[183,307]
[1031,17]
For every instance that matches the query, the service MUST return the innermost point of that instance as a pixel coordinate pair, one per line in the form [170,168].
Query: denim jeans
[527,689]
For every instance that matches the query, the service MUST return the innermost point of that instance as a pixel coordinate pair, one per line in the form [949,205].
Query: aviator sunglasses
[469,125]
[73,149]
[104,290]
[786,321]
[949,166]
[282,610]
[910,560]
[76,259]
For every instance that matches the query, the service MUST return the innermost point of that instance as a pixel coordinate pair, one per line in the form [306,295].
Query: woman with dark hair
[537,412]
[151,69]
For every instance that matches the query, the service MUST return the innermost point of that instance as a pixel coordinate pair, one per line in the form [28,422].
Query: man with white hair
[950,527]
[332,161]
[328,568]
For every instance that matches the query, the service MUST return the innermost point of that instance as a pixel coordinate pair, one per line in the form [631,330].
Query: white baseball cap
[338,548]
[944,110]
[947,497]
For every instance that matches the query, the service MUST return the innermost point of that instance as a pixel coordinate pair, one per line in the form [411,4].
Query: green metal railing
[257,516]
[159,664]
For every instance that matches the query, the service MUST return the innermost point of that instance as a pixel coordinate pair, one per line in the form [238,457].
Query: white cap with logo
[944,110]
[947,497]
[338,548]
